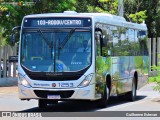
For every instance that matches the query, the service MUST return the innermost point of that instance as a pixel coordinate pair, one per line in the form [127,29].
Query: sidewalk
[11,81]
[8,90]
[148,91]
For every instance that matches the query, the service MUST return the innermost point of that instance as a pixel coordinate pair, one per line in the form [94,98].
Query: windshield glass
[56,50]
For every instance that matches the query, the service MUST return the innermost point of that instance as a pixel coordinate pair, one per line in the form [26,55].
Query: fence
[154,51]
[8,69]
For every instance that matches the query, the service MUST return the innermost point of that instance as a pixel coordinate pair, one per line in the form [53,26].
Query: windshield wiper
[45,39]
[62,44]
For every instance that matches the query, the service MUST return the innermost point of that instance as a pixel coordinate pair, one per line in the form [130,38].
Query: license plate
[53,97]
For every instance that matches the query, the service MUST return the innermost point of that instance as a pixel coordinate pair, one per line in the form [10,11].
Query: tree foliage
[105,6]
[11,13]
[138,17]
[148,10]
[153,17]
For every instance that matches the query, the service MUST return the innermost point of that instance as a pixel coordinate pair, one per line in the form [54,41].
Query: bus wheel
[131,96]
[104,100]
[42,103]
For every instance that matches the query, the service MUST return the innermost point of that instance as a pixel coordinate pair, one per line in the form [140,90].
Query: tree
[51,6]
[105,6]
[12,14]
[134,11]
[153,17]
[10,17]
[2,10]
[148,10]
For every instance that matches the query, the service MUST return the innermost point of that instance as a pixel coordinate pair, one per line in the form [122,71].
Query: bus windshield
[55,50]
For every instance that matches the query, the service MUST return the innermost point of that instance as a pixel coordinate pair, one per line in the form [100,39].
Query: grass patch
[155,79]
[151,79]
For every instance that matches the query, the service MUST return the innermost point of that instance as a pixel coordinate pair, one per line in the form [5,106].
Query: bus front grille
[45,93]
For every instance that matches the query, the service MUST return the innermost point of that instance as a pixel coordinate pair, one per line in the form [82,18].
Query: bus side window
[137,46]
[105,44]
[131,38]
[103,47]
[116,42]
[125,37]
[97,40]
[142,38]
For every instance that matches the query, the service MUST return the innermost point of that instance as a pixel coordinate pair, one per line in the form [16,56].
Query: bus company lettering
[53,73]
[40,84]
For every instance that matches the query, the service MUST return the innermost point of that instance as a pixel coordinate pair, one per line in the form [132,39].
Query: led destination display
[57,22]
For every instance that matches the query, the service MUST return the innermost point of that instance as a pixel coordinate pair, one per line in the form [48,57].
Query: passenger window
[116,49]
[136,47]
[142,38]
[124,37]
[97,41]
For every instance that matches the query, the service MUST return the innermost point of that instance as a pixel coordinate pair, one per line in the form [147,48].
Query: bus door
[101,66]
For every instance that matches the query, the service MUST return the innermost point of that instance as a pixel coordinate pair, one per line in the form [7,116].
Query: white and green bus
[80,56]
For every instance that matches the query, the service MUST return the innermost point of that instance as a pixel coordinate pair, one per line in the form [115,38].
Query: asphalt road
[147,100]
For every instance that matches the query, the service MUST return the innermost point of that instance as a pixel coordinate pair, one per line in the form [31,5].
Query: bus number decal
[66,85]
[41,22]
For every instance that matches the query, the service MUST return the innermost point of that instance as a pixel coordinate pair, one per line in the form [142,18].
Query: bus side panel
[144,72]
[103,66]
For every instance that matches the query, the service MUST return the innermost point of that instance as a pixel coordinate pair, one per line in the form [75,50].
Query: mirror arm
[16,28]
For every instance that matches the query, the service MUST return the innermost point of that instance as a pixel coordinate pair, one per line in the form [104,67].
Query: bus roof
[96,18]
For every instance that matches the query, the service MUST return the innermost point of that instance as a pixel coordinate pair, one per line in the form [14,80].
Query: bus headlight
[86,81]
[23,81]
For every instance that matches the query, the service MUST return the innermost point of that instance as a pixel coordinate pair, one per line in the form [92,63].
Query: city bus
[80,56]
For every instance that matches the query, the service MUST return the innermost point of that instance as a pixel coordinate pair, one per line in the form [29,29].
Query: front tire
[102,103]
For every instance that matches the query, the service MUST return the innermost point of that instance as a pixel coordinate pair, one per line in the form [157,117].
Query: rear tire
[102,103]
[131,96]
[42,103]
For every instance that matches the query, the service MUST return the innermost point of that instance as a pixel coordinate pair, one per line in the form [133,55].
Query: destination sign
[57,22]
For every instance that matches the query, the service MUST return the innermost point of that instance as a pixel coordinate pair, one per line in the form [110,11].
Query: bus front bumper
[85,93]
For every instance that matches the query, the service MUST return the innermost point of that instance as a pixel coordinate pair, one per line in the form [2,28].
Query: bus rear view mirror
[12,39]
[12,36]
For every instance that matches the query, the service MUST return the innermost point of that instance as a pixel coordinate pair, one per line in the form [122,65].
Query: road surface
[147,100]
